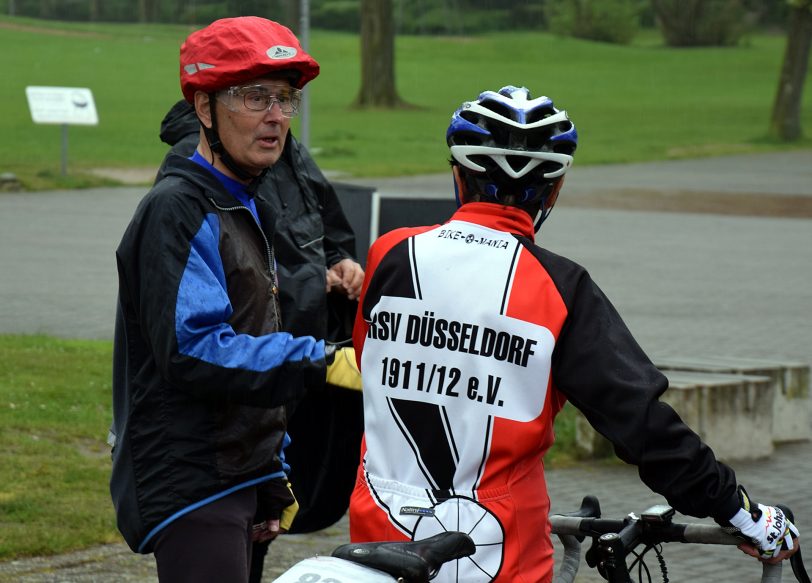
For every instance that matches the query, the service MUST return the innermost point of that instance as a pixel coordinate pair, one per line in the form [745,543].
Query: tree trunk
[179,11]
[377,55]
[45,8]
[146,11]
[94,12]
[786,119]
[292,15]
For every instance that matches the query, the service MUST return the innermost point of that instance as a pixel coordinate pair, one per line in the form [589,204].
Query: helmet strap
[541,216]
[547,203]
[459,184]
[466,183]
[216,146]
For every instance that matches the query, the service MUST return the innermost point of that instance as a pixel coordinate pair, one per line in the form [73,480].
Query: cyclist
[470,339]
[203,375]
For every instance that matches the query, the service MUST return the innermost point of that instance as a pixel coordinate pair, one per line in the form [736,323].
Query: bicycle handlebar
[614,539]
[674,532]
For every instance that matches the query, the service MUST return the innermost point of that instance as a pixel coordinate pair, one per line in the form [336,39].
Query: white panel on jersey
[452,347]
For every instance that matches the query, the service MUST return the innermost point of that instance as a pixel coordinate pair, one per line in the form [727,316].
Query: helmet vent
[469,116]
[469,139]
[539,114]
[564,148]
[516,162]
[500,109]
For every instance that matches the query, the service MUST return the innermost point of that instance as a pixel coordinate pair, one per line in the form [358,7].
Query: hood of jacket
[180,121]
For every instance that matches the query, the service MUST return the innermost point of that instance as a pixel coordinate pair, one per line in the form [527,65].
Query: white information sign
[62,105]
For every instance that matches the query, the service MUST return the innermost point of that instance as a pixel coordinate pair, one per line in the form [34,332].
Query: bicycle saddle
[411,561]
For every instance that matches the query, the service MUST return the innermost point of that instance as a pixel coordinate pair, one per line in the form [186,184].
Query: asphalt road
[686,278]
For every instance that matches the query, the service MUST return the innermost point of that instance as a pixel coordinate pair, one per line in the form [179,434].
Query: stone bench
[740,407]
[792,405]
[731,413]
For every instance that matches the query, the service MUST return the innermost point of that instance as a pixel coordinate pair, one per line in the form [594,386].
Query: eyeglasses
[262,98]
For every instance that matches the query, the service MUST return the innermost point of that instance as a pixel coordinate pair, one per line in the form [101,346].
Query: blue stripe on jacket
[203,309]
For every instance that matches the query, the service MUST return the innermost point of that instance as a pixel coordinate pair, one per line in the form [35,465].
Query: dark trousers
[211,544]
[258,552]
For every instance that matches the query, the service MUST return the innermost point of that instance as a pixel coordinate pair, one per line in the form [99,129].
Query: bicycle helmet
[231,51]
[510,147]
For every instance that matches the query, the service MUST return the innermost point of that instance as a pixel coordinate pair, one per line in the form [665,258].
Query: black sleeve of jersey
[603,371]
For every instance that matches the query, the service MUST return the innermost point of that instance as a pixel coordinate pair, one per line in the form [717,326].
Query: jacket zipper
[269,256]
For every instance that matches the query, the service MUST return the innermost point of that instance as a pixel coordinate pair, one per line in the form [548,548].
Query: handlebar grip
[571,560]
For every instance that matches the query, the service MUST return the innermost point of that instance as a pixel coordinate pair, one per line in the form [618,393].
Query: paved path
[690,283]
[785,476]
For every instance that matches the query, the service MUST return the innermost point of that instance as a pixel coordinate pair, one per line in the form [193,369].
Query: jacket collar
[496,216]
[203,179]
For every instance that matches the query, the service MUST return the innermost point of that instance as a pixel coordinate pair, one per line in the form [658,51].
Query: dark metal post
[64,149]
[304,39]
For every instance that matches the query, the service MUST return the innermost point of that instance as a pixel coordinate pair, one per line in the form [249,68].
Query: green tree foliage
[597,19]
[176,11]
[767,13]
[612,21]
[694,23]
[446,17]
[336,15]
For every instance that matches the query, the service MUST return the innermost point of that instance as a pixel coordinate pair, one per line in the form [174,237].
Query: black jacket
[202,373]
[311,234]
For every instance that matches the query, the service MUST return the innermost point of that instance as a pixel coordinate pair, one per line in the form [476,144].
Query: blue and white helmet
[510,144]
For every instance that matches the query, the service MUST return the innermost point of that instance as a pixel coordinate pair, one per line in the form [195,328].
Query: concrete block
[792,403]
[733,414]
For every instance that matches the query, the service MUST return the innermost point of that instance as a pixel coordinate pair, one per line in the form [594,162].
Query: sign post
[304,38]
[63,106]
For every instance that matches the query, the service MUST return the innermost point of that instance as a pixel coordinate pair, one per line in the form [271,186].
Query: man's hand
[346,276]
[772,537]
[272,527]
[266,530]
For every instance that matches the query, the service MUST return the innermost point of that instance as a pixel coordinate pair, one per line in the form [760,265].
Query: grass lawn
[55,409]
[630,103]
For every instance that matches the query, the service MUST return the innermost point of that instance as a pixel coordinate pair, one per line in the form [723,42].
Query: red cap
[231,51]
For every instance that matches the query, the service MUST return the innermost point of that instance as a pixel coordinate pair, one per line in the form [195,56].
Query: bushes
[344,15]
[612,21]
[696,23]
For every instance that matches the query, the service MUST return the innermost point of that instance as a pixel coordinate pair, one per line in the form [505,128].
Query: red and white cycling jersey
[468,342]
